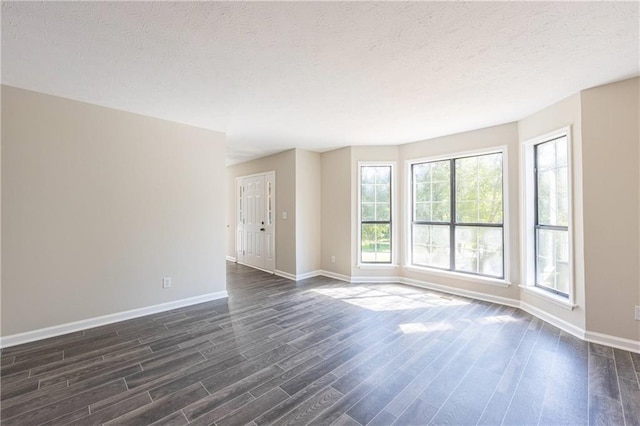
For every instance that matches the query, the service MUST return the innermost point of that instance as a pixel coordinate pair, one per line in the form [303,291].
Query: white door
[255,243]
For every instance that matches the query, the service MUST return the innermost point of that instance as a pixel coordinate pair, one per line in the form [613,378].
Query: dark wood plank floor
[321,352]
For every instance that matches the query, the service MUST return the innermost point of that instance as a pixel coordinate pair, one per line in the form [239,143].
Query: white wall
[98,205]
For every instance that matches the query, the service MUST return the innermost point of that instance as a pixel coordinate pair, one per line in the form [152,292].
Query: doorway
[255,241]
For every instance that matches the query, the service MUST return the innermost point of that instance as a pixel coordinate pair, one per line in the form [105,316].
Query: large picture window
[551,215]
[375,214]
[457,215]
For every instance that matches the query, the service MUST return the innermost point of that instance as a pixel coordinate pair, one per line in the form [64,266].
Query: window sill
[467,277]
[374,266]
[550,297]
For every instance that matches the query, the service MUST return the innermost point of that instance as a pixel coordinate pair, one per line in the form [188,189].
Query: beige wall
[610,117]
[98,205]
[284,165]
[336,211]
[564,113]
[308,211]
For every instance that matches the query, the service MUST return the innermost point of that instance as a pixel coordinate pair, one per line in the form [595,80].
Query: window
[551,215]
[375,214]
[457,215]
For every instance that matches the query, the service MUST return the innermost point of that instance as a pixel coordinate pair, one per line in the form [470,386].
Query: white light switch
[284,215]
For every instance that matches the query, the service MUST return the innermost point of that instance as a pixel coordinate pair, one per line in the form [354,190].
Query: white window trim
[506,220]
[527,218]
[394,217]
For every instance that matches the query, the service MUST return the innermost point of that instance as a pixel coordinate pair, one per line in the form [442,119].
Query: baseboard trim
[285,275]
[231,259]
[308,275]
[374,279]
[335,276]
[461,292]
[613,341]
[553,320]
[58,330]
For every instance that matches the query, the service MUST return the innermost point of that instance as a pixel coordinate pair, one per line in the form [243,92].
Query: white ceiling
[320,75]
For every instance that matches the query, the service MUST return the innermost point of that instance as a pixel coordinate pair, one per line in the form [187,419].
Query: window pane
[552,259]
[383,212]
[431,245]
[368,193]
[432,192]
[368,175]
[479,189]
[479,250]
[375,190]
[552,180]
[368,211]
[376,243]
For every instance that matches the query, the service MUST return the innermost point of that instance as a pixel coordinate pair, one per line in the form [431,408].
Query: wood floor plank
[162,407]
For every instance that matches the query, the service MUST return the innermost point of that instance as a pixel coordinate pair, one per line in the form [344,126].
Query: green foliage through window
[457,211]
[375,214]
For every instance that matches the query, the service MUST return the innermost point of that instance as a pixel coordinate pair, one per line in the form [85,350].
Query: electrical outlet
[284,215]
[166,282]
[637,313]
[333,259]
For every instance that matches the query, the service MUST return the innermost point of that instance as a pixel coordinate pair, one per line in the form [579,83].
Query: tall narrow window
[457,210]
[551,215]
[375,214]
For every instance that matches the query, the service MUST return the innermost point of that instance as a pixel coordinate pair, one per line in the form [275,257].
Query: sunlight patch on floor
[388,297]
[424,328]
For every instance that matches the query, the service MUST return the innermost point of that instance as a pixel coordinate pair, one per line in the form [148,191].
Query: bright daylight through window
[457,215]
[375,214]
[552,216]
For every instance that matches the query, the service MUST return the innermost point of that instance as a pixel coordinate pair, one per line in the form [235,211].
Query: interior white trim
[231,259]
[279,273]
[374,279]
[553,320]
[58,330]
[336,276]
[459,275]
[308,275]
[616,342]
[461,292]
[549,297]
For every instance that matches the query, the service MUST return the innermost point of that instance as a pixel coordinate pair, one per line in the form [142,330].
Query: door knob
[262,229]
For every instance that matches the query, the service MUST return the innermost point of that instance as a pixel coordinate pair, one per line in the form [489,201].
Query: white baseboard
[231,259]
[461,292]
[285,275]
[374,279]
[308,275]
[553,320]
[613,341]
[335,276]
[57,330]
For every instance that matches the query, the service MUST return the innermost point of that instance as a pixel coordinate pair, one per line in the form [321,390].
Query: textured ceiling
[324,74]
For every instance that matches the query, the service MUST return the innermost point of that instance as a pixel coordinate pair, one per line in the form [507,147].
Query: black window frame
[452,219]
[376,222]
[536,224]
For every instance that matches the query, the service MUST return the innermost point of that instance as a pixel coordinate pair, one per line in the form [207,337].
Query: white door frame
[270,177]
